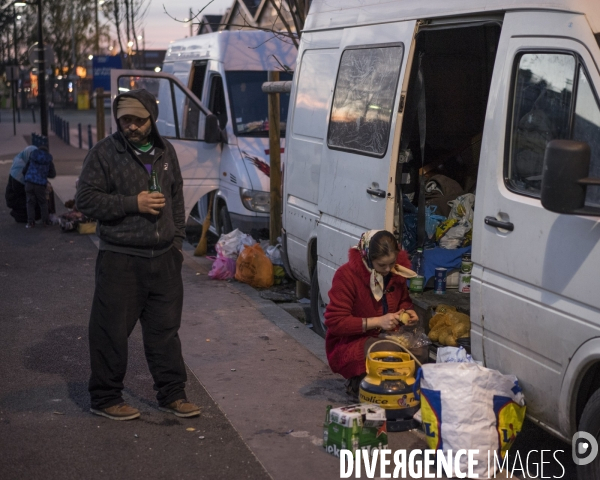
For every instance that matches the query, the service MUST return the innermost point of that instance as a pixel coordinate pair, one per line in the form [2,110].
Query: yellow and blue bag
[467,406]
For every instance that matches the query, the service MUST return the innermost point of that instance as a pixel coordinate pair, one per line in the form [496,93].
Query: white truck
[497,79]
[219,75]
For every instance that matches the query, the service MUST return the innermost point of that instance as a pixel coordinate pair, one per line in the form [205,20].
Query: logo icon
[585,448]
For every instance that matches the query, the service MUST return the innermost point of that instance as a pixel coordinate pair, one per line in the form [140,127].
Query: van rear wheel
[590,423]
[317,306]
[224,220]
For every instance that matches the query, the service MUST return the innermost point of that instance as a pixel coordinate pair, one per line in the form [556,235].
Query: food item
[448,325]
[404,317]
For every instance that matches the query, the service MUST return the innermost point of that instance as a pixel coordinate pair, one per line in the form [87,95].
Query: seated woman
[368,294]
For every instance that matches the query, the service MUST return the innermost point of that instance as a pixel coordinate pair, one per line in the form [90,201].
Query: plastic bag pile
[240,257]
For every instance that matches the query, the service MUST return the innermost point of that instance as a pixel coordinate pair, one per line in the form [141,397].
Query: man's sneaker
[122,411]
[182,408]
[30,225]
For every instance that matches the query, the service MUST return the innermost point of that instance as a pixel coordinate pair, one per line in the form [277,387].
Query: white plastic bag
[232,243]
[245,240]
[274,254]
[462,208]
[455,236]
[467,406]
[453,354]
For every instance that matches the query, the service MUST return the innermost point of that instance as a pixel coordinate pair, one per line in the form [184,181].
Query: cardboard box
[354,427]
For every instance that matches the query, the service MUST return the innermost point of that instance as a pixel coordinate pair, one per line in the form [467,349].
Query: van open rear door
[358,165]
[181,120]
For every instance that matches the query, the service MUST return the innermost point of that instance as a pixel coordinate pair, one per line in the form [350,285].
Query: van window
[553,99]
[197,77]
[317,74]
[249,105]
[189,116]
[541,111]
[363,100]
[586,128]
[216,102]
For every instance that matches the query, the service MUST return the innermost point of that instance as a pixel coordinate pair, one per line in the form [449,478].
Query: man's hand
[150,202]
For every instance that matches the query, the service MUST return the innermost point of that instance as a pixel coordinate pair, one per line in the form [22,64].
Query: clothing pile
[70,220]
[448,216]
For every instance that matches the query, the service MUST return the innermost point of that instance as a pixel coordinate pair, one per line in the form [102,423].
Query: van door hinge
[402,100]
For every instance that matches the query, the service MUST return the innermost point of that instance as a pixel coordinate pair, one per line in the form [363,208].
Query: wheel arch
[581,380]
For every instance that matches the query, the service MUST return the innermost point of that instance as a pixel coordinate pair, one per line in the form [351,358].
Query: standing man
[138,269]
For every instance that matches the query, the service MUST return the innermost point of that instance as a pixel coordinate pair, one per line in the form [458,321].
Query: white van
[498,80]
[219,74]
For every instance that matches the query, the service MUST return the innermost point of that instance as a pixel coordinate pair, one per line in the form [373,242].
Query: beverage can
[464,278]
[440,280]
[417,284]
[466,265]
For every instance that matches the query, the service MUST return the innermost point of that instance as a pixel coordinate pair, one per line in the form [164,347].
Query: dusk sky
[160,30]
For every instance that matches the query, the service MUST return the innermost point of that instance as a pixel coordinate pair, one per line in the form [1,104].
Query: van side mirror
[565,178]
[212,131]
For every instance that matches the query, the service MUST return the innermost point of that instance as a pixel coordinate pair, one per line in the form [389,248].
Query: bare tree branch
[285,23]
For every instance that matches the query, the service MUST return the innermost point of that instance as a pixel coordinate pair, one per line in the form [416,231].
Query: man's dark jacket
[113,176]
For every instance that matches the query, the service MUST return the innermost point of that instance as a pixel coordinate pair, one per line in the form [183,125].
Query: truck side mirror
[212,131]
[565,177]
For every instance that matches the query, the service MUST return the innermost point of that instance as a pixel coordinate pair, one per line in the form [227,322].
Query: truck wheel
[590,422]
[224,220]
[317,306]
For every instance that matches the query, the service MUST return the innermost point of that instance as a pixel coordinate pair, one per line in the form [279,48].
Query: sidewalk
[267,371]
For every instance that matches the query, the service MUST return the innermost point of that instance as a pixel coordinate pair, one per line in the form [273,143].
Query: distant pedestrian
[38,169]
[16,198]
[138,269]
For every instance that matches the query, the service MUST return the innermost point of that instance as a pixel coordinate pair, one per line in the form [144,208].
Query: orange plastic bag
[253,267]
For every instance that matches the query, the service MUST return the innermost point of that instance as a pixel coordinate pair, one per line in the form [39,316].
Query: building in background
[209,24]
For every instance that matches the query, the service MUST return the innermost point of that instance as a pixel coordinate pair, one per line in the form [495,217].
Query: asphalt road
[46,430]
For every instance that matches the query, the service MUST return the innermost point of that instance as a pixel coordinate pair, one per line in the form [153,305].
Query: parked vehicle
[218,76]
[501,79]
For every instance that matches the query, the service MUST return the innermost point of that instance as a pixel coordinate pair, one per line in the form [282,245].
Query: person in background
[38,169]
[16,198]
[138,268]
[368,294]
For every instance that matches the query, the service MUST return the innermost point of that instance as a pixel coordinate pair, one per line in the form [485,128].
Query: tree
[126,16]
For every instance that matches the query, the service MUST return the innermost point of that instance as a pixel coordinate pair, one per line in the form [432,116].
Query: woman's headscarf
[16,171]
[376,282]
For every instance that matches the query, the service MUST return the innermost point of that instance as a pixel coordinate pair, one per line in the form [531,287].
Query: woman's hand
[388,322]
[413,318]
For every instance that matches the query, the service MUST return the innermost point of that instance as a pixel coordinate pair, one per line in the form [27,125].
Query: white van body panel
[535,308]
[545,270]
[326,14]
[247,50]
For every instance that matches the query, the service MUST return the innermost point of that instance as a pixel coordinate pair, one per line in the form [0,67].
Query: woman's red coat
[351,300]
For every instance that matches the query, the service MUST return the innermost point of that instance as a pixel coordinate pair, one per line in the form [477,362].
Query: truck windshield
[249,105]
